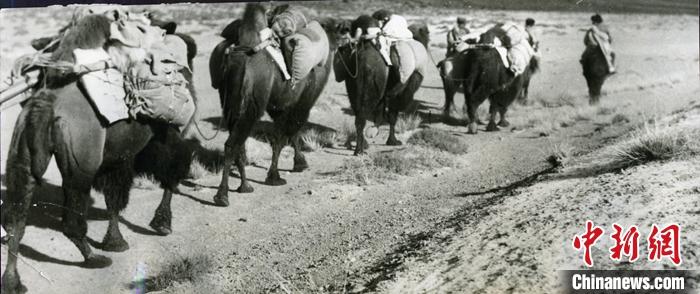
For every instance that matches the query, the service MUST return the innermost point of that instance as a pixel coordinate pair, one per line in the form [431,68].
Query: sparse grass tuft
[440,140]
[364,170]
[188,269]
[310,140]
[651,143]
[560,154]
[620,119]
[357,170]
[145,182]
[314,140]
[408,122]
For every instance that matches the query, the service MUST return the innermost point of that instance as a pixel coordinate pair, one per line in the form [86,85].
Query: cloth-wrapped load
[158,89]
[410,56]
[513,38]
[308,48]
[288,22]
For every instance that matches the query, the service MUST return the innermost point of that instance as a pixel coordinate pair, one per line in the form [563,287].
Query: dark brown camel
[595,70]
[373,87]
[487,77]
[60,121]
[252,84]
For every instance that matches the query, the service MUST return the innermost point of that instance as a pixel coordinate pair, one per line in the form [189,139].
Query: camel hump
[217,64]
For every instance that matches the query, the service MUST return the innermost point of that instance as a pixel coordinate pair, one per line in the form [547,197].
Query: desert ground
[498,215]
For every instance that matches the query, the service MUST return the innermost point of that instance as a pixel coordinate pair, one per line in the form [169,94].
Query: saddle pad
[278,57]
[105,88]
[503,52]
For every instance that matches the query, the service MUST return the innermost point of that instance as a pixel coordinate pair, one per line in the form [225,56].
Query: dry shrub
[651,143]
[408,122]
[365,170]
[560,154]
[440,140]
[187,269]
[620,119]
[314,140]
[359,170]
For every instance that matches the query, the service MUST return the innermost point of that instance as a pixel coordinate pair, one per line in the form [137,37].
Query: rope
[347,69]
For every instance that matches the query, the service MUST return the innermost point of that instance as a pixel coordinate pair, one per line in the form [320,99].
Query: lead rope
[347,69]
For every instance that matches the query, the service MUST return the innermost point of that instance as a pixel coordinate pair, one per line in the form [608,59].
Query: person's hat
[461,20]
[382,14]
[529,22]
[596,18]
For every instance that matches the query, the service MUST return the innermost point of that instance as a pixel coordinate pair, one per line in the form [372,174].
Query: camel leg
[492,119]
[115,181]
[473,101]
[273,174]
[16,209]
[162,218]
[393,117]
[234,147]
[18,198]
[471,113]
[168,159]
[450,90]
[300,163]
[362,145]
[79,149]
[503,122]
[74,224]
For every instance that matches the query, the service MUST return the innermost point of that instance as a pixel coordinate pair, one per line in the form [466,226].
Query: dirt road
[320,234]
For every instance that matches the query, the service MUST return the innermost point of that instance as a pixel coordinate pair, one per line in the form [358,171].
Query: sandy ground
[439,229]
[522,242]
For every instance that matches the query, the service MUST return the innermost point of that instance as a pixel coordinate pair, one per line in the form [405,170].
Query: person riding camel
[456,36]
[531,37]
[599,36]
[395,44]
[393,28]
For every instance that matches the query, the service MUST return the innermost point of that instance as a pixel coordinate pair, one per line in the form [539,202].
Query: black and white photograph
[341,146]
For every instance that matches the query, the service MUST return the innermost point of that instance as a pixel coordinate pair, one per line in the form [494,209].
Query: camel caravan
[111,95]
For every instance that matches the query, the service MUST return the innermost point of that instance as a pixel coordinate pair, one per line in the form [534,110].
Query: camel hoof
[491,127]
[275,181]
[300,167]
[471,129]
[244,188]
[161,227]
[97,261]
[503,123]
[12,284]
[221,199]
[394,142]
[114,244]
